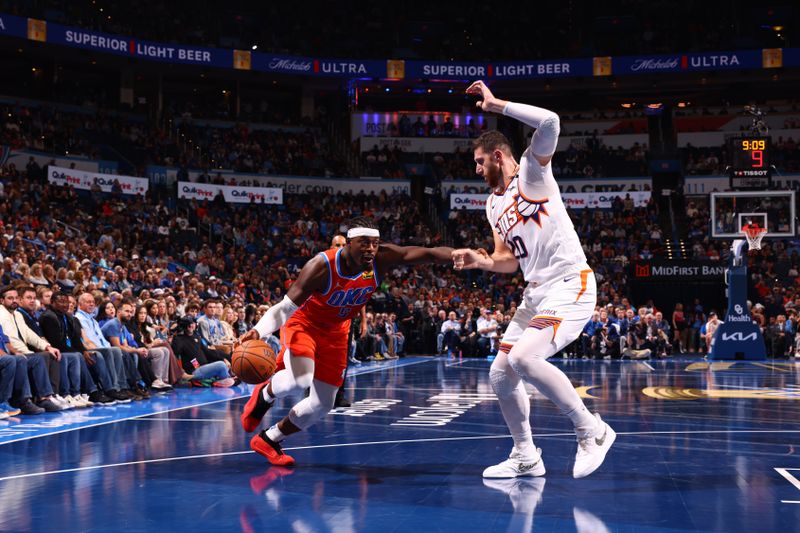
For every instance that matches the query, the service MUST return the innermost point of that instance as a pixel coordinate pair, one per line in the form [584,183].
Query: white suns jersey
[531,219]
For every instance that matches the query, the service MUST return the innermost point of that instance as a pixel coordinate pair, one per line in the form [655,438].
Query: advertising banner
[571,200]
[742,59]
[688,271]
[84,180]
[50,32]
[468,201]
[129,46]
[12,26]
[542,69]
[232,194]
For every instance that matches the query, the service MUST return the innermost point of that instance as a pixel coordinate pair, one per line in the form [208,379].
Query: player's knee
[308,411]
[501,384]
[304,381]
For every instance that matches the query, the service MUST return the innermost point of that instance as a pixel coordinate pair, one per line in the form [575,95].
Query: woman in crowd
[158,355]
[105,312]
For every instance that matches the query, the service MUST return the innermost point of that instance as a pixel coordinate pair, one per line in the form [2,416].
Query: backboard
[774,210]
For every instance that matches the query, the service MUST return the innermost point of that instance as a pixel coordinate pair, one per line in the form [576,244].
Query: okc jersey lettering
[350,297]
[343,298]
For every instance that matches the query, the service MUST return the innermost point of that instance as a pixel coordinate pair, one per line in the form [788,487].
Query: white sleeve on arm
[275,317]
[545,139]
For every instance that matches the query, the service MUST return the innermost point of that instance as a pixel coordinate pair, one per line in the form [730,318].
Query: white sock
[275,434]
[269,398]
[584,421]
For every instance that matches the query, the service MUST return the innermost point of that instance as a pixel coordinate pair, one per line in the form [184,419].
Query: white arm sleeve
[275,317]
[543,143]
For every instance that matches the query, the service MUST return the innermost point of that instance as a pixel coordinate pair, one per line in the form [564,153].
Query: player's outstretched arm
[391,254]
[547,124]
[501,260]
[313,277]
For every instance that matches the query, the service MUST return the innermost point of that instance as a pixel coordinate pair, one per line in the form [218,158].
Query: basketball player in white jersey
[533,231]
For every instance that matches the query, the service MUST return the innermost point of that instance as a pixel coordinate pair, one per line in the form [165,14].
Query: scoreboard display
[750,163]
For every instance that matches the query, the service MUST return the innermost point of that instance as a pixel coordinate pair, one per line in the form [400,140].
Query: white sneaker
[3,415]
[592,449]
[77,401]
[71,402]
[85,399]
[517,466]
[62,402]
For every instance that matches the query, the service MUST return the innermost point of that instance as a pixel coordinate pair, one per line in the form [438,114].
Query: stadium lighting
[254,47]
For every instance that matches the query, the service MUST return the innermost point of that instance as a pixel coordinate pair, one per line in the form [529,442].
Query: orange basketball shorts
[328,350]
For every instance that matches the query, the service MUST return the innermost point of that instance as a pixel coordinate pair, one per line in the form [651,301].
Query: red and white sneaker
[255,409]
[270,449]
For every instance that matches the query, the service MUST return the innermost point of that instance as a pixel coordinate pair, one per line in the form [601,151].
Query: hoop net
[754,233]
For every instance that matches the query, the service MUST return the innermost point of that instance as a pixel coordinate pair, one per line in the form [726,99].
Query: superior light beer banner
[126,45]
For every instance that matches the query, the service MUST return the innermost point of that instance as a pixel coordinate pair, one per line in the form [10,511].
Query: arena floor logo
[446,408]
[684,394]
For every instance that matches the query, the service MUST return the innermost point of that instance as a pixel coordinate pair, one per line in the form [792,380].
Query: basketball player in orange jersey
[340,241]
[533,231]
[315,319]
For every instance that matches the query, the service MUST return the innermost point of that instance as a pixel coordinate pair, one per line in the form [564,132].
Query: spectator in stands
[778,338]
[211,329]
[118,335]
[487,331]
[680,329]
[711,327]
[21,339]
[656,339]
[69,360]
[94,341]
[59,330]
[198,361]
[15,389]
[451,331]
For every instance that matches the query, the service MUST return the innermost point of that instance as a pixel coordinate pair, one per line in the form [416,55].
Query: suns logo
[521,210]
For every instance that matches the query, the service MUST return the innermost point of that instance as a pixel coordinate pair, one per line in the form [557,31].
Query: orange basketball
[253,361]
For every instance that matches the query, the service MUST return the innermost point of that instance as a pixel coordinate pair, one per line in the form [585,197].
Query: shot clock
[750,163]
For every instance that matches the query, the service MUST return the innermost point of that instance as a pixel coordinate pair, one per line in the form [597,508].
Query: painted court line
[368,443]
[789,477]
[67,430]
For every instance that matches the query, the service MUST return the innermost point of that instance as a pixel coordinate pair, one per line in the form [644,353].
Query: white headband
[362,232]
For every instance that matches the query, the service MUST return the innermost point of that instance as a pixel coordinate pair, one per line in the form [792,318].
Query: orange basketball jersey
[343,298]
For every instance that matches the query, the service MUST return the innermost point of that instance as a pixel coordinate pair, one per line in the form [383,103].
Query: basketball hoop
[754,233]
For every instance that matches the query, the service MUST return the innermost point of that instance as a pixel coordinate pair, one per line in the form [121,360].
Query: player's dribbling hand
[479,88]
[464,258]
[249,336]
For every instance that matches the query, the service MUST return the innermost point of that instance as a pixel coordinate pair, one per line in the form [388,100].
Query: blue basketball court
[701,447]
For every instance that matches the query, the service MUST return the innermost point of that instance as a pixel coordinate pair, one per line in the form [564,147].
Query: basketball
[253,361]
